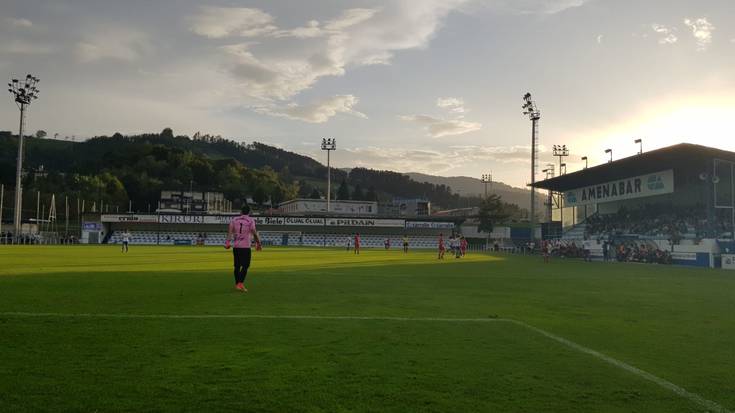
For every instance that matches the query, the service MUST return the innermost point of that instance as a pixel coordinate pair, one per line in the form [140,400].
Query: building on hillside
[319,206]
[405,207]
[459,212]
[194,202]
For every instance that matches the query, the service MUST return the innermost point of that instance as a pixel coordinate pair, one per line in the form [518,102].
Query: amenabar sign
[628,188]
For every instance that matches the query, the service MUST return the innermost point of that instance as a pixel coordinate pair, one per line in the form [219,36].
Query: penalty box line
[678,390]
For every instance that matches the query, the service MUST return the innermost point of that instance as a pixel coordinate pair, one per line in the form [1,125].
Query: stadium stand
[272,238]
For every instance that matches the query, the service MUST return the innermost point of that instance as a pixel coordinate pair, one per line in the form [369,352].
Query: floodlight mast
[329,145]
[24,92]
[487,179]
[640,147]
[534,114]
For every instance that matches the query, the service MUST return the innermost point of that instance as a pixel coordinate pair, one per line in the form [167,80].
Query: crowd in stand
[663,221]
[635,252]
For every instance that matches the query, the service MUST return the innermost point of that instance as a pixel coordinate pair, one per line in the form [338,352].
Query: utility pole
[24,92]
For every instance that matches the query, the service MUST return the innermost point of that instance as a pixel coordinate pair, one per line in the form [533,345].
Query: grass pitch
[70,341]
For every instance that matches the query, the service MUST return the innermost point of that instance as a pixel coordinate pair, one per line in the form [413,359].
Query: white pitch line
[708,404]
[678,390]
[250,316]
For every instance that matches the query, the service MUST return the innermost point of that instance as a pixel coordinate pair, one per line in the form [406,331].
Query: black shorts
[242,257]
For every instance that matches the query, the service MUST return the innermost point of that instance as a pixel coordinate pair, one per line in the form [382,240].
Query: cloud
[220,22]
[534,6]
[316,112]
[599,38]
[434,161]
[113,43]
[438,128]
[452,104]
[18,22]
[278,63]
[702,30]
[668,36]
[24,47]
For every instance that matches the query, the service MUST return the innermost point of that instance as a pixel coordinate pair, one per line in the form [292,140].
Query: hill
[467,186]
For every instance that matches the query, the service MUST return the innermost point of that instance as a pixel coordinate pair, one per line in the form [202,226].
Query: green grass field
[416,334]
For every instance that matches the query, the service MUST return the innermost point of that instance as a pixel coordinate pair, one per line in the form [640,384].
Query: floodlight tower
[329,145]
[610,152]
[24,92]
[487,179]
[529,108]
[584,158]
[549,171]
[640,147]
[561,152]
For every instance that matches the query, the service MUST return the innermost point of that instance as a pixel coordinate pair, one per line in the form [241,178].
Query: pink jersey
[242,229]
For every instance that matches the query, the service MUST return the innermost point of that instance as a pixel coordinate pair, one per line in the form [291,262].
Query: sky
[432,86]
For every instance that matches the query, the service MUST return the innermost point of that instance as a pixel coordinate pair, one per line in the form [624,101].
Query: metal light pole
[329,145]
[561,152]
[640,143]
[487,179]
[610,152]
[584,158]
[534,114]
[24,92]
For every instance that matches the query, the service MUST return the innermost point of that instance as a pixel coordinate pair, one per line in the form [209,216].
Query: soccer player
[405,244]
[441,247]
[357,244]
[387,244]
[463,245]
[125,240]
[348,244]
[241,231]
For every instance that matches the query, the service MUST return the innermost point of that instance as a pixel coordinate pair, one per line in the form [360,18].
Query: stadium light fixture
[584,158]
[610,152]
[24,92]
[534,114]
[329,145]
[639,142]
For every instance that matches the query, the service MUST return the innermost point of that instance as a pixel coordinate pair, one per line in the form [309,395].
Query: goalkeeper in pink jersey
[239,235]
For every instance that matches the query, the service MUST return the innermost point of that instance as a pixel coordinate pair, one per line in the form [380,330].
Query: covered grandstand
[678,197]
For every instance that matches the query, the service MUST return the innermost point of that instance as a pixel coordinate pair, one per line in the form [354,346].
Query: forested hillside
[119,168]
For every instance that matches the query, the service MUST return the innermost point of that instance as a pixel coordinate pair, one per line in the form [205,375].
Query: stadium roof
[647,162]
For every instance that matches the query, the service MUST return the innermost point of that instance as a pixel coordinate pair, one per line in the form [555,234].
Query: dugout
[696,179]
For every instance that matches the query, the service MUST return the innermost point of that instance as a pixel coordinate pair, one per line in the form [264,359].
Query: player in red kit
[442,249]
[357,243]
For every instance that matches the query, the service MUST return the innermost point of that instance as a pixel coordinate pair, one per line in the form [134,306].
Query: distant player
[405,244]
[348,244]
[546,251]
[357,244]
[241,231]
[442,249]
[125,240]
[463,246]
[387,244]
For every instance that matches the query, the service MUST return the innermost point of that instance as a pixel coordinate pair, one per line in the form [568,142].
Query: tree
[167,133]
[371,195]
[492,212]
[259,195]
[40,134]
[343,193]
[357,193]
[315,194]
